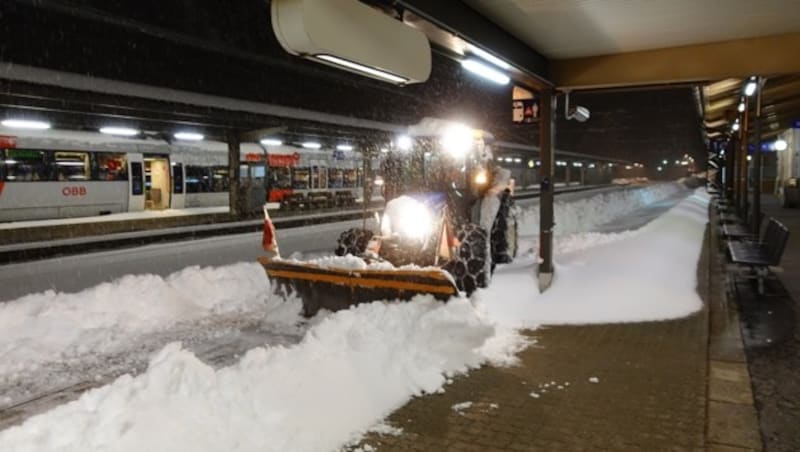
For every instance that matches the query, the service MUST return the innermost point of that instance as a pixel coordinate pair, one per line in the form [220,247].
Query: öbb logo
[73,191]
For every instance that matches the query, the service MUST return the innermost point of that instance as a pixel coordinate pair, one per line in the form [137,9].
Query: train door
[178,184]
[157,186]
[135,182]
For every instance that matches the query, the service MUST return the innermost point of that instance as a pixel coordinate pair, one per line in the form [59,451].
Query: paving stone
[733,424]
[729,382]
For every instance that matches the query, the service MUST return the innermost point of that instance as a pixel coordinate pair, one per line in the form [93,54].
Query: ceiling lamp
[25,124]
[485,71]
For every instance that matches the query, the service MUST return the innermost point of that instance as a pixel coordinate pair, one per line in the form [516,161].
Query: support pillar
[730,173]
[742,176]
[233,173]
[756,217]
[547,127]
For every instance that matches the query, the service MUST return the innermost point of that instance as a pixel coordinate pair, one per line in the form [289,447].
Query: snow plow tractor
[448,220]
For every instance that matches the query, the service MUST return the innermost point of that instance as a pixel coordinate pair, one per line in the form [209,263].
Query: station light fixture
[531,163]
[344,147]
[561,163]
[188,136]
[659,169]
[741,106]
[485,71]
[750,87]
[735,126]
[478,52]
[404,143]
[374,72]
[25,124]
[384,150]
[627,167]
[577,164]
[311,145]
[509,159]
[271,142]
[749,158]
[592,166]
[665,162]
[780,144]
[517,160]
[121,131]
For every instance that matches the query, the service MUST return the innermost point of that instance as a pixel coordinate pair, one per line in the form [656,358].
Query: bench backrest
[775,239]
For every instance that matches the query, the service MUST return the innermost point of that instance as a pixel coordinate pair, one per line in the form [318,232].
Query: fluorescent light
[488,57]
[404,142]
[10,162]
[735,126]
[271,142]
[591,165]
[577,164]
[485,71]
[189,136]
[780,144]
[741,107]
[311,145]
[750,88]
[344,147]
[628,167]
[25,124]
[664,161]
[509,159]
[361,68]
[517,160]
[68,163]
[749,157]
[659,168]
[124,131]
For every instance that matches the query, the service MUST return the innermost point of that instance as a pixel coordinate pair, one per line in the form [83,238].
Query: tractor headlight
[480,177]
[457,140]
[408,218]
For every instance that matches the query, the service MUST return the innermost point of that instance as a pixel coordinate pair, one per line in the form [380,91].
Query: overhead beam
[694,63]
[458,18]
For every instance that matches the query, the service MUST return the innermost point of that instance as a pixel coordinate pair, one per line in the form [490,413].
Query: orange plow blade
[335,289]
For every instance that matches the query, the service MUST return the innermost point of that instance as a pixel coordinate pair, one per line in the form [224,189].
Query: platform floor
[673,385]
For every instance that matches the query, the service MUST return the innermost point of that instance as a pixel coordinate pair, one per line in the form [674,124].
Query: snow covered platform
[621,363]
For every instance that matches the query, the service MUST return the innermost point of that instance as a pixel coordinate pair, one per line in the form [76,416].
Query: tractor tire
[470,269]
[353,241]
[504,233]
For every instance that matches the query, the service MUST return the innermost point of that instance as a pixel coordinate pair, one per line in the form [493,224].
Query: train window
[315,177]
[110,167]
[219,179]
[350,178]
[335,178]
[258,172]
[197,179]
[137,187]
[323,177]
[71,166]
[300,178]
[27,165]
[177,177]
[280,177]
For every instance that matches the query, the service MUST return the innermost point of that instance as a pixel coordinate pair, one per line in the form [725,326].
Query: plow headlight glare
[411,219]
[480,177]
[457,140]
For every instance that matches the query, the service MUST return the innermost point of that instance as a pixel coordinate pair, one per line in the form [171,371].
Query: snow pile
[52,326]
[648,274]
[351,369]
[588,213]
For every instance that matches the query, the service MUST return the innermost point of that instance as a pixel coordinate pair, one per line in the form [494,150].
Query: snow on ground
[647,274]
[52,326]
[352,368]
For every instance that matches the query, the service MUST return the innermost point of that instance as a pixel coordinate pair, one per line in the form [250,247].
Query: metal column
[756,217]
[233,172]
[742,176]
[547,127]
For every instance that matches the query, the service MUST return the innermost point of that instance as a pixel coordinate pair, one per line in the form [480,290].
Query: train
[50,174]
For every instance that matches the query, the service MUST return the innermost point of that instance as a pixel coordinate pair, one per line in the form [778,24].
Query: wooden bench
[760,256]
